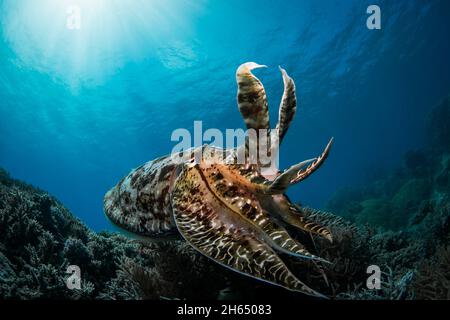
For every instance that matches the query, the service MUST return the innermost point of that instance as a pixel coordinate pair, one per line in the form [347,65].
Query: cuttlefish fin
[288,105]
[214,230]
[251,97]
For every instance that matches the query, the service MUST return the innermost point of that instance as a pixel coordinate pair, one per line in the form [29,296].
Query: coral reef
[410,208]
[400,223]
[433,276]
[401,198]
[39,239]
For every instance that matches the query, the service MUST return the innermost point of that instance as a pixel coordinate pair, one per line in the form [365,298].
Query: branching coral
[433,276]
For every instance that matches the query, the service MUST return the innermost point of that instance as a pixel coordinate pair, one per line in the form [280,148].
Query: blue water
[80,108]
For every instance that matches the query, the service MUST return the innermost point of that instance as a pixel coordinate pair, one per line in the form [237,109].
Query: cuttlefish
[232,213]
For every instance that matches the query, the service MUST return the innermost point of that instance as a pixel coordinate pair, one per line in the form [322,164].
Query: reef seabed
[40,239]
[400,223]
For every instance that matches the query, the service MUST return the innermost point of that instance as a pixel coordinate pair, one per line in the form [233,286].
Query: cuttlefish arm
[217,232]
[294,217]
[295,173]
[306,172]
[288,106]
[251,97]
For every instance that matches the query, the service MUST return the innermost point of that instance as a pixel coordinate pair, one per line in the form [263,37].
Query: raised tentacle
[280,184]
[251,97]
[295,174]
[288,105]
[305,173]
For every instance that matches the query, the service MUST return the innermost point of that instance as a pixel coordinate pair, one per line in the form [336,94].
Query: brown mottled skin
[228,212]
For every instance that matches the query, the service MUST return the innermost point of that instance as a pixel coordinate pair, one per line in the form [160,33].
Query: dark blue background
[80,109]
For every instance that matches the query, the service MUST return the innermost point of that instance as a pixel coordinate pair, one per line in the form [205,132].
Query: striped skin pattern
[288,105]
[252,100]
[293,216]
[226,236]
[242,198]
[229,212]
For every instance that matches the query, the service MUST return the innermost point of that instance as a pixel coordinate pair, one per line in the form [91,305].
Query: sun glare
[83,40]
